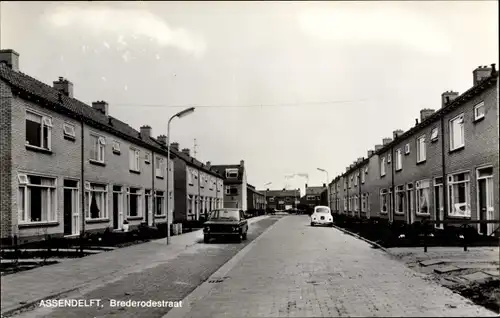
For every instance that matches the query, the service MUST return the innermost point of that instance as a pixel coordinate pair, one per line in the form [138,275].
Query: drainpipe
[153,192]
[82,185]
[359,193]
[199,196]
[443,164]
[393,194]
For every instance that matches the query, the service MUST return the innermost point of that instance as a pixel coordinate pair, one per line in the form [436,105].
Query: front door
[438,205]
[409,206]
[485,199]
[71,213]
[117,207]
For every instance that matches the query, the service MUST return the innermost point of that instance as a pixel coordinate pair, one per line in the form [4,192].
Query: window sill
[422,214]
[134,171]
[477,120]
[159,177]
[191,184]
[70,138]
[160,216]
[434,140]
[147,162]
[399,213]
[134,218]
[456,149]
[97,163]
[38,149]
[382,212]
[421,162]
[116,152]
[455,216]
[92,221]
[382,175]
[399,170]
[38,224]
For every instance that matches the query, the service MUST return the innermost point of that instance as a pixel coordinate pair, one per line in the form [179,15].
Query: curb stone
[364,239]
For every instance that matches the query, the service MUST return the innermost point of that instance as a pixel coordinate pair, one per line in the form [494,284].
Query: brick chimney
[481,73]
[447,97]
[11,58]
[378,147]
[162,139]
[370,153]
[242,163]
[396,133]
[175,146]
[64,86]
[360,159]
[386,141]
[426,113]
[146,132]
[324,185]
[209,164]
[101,106]
[186,151]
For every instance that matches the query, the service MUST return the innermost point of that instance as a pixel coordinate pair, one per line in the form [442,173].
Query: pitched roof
[281,193]
[314,190]
[48,97]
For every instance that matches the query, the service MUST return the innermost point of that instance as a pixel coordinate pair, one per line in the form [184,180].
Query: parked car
[322,215]
[226,223]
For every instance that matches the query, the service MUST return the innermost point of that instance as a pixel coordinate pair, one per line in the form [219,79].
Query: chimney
[378,147]
[64,86]
[447,97]
[162,139]
[146,132]
[481,73]
[370,153]
[242,163]
[175,146]
[425,113]
[306,185]
[209,164]
[186,151]
[416,121]
[360,159]
[101,106]
[267,189]
[386,141]
[11,58]
[324,185]
[396,133]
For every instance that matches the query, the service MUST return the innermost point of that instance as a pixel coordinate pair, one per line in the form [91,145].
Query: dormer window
[232,173]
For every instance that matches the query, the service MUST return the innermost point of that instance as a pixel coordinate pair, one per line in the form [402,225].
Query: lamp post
[327,187]
[180,114]
[265,197]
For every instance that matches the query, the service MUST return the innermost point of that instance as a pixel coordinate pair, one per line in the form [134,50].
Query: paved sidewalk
[299,271]
[22,289]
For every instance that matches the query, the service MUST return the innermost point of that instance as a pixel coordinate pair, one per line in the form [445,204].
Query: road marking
[206,287]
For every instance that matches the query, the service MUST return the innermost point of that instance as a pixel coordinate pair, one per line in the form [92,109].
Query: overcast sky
[333,78]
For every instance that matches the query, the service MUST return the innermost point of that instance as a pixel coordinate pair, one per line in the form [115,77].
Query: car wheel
[239,238]
[244,237]
[312,224]
[206,239]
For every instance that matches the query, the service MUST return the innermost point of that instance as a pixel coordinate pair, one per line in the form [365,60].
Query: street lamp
[180,114]
[265,197]
[327,186]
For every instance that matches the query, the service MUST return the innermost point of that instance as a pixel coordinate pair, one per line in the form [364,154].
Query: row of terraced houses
[445,167]
[70,168]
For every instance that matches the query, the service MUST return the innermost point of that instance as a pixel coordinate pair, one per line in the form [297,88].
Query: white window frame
[399,159]
[383,194]
[345,203]
[476,108]
[232,173]
[399,189]
[422,185]
[103,213]
[190,176]
[407,149]
[162,199]
[24,188]
[363,202]
[454,207]
[382,167]
[100,144]
[434,134]
[356,203]
[159,164]
[69,130]
[389,158]
[421,149]
[45,121]
[202,180]
[454,144]
[138,196]
[356,179]
[116,146]
[134,159]
[362,177]
[147,157]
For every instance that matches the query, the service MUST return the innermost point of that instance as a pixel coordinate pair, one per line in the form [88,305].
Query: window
[148,201]
[479,111]
[389,158]
[457,132]
[211,183]
[231,190]
[382,167]
[38,130]
[421,150]
[366,170]
[310,198]
[459,194]
[271,199]
[356,179]
[202,179]
[434,134]
[400,197]
[37,201]
[97,149]
[356,203]
[159,167]
[407,149]
[363,202]
[232,173]
[134,202]
[160,203]
[147,157]
[423,196]
[384,201]
[116,147]
[96,197]
[190,176]
[69,130]
[134,162]
[345,203]
[399,159]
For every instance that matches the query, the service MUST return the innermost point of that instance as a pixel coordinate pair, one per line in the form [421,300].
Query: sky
[289,87]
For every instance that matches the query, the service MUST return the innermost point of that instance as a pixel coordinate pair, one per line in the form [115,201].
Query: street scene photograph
[192,159]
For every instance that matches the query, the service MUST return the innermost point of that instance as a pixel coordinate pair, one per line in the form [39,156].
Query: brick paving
[295,270]
[168,280]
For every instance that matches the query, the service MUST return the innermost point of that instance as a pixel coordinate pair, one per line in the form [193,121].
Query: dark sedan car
[226,222]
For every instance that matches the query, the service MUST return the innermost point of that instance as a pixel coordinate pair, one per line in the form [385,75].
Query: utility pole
[194,148]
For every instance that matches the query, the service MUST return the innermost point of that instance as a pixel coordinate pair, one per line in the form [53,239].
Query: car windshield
[225,215]
[322,210]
